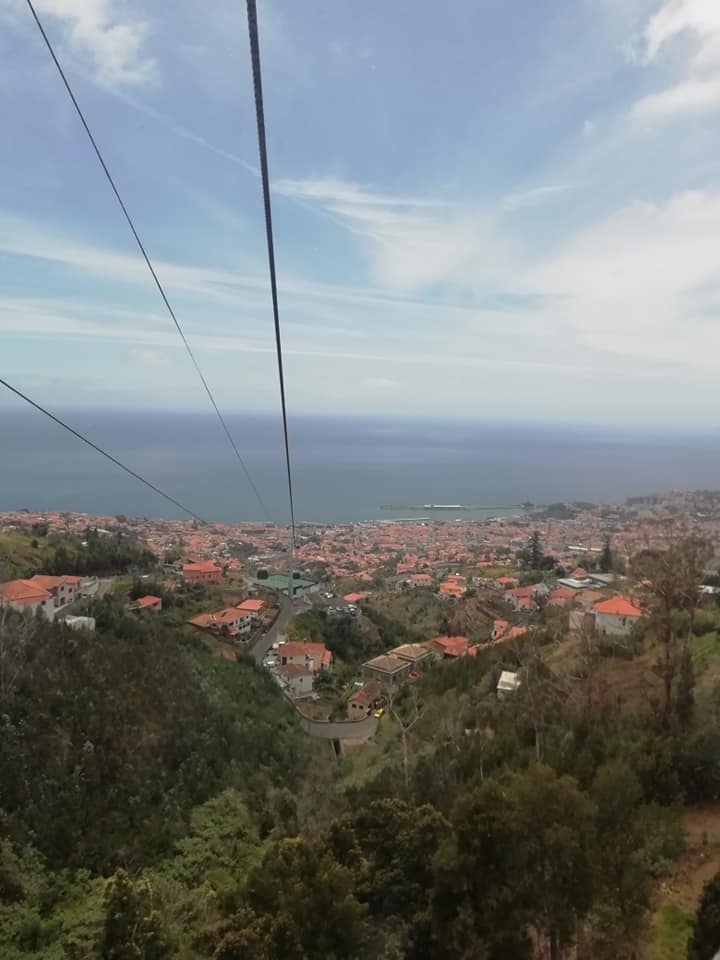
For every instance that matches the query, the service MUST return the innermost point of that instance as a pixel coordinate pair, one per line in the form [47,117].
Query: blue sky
[486,209]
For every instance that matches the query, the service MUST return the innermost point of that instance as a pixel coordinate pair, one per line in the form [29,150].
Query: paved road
[325,729]
[339,729]
[265,642]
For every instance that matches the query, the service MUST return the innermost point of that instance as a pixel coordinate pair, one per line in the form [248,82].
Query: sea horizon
[345,468]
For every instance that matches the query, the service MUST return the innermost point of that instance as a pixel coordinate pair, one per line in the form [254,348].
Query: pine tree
[535,550]
[606,557]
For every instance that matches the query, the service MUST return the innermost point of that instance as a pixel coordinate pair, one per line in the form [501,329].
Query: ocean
[344,469]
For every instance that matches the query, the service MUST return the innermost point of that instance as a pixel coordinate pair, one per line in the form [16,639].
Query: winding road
[324,729]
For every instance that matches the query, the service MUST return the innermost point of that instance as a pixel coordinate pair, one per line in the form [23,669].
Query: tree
[672,577]
[389,846]
[406,720]
[132,929]
[705,939]
[535,551]
[301,905]
[606,557]
[519,859]
[621,869]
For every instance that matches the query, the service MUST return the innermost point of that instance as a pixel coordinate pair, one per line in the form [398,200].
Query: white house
[419,580]
[80,623]
[296,680]
[509,682]
[616,616]
[62,589]
[26,596]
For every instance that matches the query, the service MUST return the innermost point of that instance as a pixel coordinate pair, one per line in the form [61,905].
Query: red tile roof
[452,589]
[148,601]
[46,582]
[619,606]
[251,605]
[355,597]
[451,646]
[22,591]
[290,670]
[202,566]
[368,693]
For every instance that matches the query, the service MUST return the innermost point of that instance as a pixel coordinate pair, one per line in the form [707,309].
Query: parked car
[379,713]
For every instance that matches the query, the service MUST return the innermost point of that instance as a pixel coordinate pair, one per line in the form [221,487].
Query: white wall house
[617,616]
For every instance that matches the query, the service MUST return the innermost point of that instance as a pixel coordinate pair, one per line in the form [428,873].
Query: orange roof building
[23,593]
[452,590]
[149,602]
[450,647]
[619,607]
[355,597]
[205,571]
[617,616]
[251,605]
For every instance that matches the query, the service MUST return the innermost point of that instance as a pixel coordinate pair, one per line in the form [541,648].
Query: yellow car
[379,713]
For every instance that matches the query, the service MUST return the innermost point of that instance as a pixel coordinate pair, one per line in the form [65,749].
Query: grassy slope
[422,611]
[18,557]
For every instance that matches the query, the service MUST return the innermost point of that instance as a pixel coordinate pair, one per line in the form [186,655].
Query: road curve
[323,729]
[338,729]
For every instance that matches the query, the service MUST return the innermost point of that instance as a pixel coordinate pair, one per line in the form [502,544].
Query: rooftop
[387,663]
[619,606]
[22,591]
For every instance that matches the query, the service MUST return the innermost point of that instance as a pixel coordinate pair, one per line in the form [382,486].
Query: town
[449,588]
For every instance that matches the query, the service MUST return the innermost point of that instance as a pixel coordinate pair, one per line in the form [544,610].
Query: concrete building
[415,654]
[80,623]
[231,622]
[367,698]
[296,680]
[27,597]
[448,648]
[203,572]
[390,672]
[63,590]
[312,656]
[253,608]
[509,682]
[617,616]
[148,603]
[419,580]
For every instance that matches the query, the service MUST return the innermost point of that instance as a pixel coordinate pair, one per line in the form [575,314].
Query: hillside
[427,615]
[25,553]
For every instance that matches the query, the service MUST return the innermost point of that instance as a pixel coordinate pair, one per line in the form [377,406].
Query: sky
[484,209]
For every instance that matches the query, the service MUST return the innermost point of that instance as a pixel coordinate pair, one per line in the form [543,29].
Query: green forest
[158,802]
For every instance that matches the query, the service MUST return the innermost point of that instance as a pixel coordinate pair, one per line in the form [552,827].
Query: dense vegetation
[156,802]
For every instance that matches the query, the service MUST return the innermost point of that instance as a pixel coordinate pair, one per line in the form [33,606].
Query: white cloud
[699,18]
[41,241]
[693,96]
[108,37]
[642,282]
[691,28]
[341,192]
[536,195]
[411,243]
